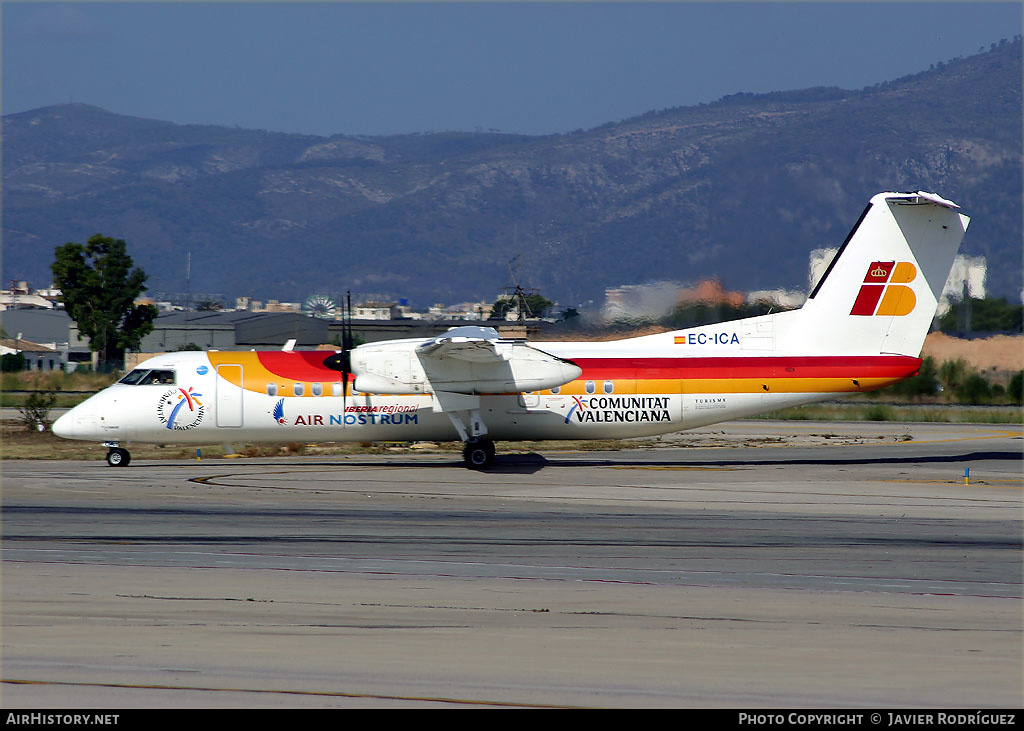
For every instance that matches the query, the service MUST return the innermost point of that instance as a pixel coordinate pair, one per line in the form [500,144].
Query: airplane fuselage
[278,396]
[861,328]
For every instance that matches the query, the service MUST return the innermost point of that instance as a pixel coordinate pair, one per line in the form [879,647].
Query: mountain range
[741,189]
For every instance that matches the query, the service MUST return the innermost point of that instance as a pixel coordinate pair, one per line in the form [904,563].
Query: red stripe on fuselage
[308,366]
[886,366]
[298,365]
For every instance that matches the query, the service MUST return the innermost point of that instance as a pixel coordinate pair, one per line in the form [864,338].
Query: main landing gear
[464,412]
[478,454]
[117,456]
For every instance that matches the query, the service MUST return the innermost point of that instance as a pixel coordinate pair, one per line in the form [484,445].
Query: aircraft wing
[469,343]
[465,360]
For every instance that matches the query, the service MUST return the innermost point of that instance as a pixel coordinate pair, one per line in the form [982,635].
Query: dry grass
[999,355]
[865,411]
[84,383]
[57,381]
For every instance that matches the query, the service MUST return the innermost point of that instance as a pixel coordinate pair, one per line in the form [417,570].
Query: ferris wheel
[320,305]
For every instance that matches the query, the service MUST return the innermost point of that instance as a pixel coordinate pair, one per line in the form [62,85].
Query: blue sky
[531,67]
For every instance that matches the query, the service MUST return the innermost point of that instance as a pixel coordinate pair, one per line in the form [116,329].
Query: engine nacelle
[388,368]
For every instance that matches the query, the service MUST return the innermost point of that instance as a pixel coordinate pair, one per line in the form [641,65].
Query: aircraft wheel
[478,454]
[118,457]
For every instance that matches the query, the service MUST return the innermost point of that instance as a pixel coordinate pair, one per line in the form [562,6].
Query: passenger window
[271,389]
[609,386]
[336,389]
[556,390]
[298,389]
[591,387]
[318,389]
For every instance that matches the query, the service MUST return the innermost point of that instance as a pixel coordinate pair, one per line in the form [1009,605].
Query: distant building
[375,311]
[783,298]
[38,357]
[19,296]
[967,279]
[248,304]
[640,301]
[462,311]
[9,300]
[655,300]
[214,330]
[711,292]
[405,312]
[275,306]
[52,328]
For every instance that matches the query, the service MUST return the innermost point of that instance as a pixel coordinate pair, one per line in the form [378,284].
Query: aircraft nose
[64,426]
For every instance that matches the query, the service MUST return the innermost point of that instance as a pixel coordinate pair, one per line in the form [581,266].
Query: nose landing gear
[117,456]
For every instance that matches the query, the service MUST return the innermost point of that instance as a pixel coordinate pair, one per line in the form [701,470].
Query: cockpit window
[159,378]
[145,377]
[134,377]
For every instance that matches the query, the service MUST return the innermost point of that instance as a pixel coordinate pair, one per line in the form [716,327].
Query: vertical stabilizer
[880,292]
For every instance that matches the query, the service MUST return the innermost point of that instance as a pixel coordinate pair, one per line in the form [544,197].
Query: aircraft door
[230,392]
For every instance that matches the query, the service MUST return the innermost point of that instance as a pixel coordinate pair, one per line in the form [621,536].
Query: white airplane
[862,328]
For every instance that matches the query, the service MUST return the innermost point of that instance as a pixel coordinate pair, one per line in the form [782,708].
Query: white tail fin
[880,292]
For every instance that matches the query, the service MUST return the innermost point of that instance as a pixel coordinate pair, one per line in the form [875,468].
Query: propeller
[341,361]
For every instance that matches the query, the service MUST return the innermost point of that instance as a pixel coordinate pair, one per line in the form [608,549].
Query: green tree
[925,383]
[98,287]
[35,412]
[952,374]
[1016,388]
[209,305]
[539,305]
[973,390]
[12,362]
[500,308]
[983,315]
[570,317]
[536,305]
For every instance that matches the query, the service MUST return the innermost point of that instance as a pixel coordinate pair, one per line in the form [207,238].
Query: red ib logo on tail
[884,291]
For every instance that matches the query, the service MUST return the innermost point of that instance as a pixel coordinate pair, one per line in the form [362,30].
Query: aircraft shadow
[762,462]
[532,462]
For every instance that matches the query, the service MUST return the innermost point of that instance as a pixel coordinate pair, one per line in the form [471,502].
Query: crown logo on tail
[884,291]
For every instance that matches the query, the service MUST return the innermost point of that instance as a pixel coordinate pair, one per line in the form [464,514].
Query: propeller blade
[341,360]
[346,349]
